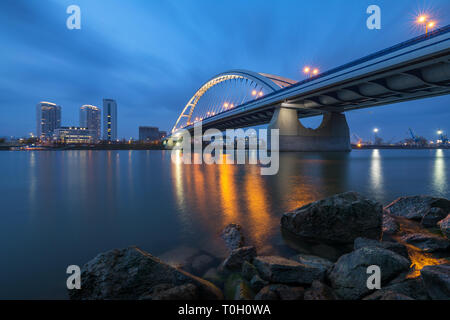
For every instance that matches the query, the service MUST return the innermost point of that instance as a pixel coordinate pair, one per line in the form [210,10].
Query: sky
[152,55]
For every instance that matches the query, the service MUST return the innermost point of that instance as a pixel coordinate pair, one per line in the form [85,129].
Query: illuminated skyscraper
[48,118]
[90,119]
[109,120]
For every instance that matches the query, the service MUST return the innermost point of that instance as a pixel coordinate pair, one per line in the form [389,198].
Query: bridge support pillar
[332,134]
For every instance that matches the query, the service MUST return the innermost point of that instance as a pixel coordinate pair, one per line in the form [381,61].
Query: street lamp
[307,70]
[423,19]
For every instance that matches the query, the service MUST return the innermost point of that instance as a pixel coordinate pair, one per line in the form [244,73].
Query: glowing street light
[423,19]
[310,72]
[375,130]
[254,92]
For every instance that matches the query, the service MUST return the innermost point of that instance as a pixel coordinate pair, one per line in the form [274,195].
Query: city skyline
[152,79]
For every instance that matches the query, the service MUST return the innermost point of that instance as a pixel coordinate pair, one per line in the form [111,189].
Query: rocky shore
[408,240]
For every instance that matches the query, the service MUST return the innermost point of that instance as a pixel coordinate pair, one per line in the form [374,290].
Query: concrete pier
[332,134]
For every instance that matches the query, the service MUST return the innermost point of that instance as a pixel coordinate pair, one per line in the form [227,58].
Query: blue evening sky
[151,55]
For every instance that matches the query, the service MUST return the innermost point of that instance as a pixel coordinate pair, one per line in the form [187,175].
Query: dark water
[62,208]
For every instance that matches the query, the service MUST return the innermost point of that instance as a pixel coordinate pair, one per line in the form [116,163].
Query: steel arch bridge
[235,87]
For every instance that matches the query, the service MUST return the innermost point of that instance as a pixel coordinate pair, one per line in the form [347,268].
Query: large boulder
[232,235]
[432,217]
[339,219]
[444,224]
[427,242]
[349,275]
[416,207]
[437,281]
[389,245]
[277,269]
[132,273]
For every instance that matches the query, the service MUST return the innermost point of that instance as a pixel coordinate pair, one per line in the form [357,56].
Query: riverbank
[407,240]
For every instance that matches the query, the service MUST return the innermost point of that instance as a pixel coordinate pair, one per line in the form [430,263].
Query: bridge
[416,69]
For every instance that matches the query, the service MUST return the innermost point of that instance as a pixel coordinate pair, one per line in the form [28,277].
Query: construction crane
[413,136]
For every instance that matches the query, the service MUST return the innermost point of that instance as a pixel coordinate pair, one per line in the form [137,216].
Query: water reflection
[439,173]
[376,173]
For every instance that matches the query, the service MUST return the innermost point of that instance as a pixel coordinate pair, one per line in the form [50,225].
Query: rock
[341,219]
[388,245]
[232,236]
[256,283]
[248,270]
[243,292]
[202,263]
[319,291]
[389,225]
[237,257]
[214,277]
[190,259]
[321,265]
[444,224]
[349,275]
[280,292]
[281,270]
[427,242]
[415,207]
[237,288]
[437,281]
[183,292]
[132,273]
[389,295]
[413,288]
[432,217]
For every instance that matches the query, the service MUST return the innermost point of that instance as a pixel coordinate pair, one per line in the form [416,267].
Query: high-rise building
[109,120]
[149,134]
[90,118]
[48,118]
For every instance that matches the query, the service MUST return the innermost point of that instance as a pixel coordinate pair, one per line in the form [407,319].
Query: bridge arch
[265,83]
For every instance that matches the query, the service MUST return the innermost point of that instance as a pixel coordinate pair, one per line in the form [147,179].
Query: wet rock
[319,291]
[132,273]
[320,265]
[213,276]
[427,242]
[341,219]
[256,283]
[237,257]
[243,292]
[280,292]
[444,224]
[237,288]
[183,292]
[349,274]
[201,263]
[432,217]
[248,270]
[415,207]
[277,269]
[189,259]
[437,281]
[389,225]
[389,245]
[389,295]
[232,235]
[413,288]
